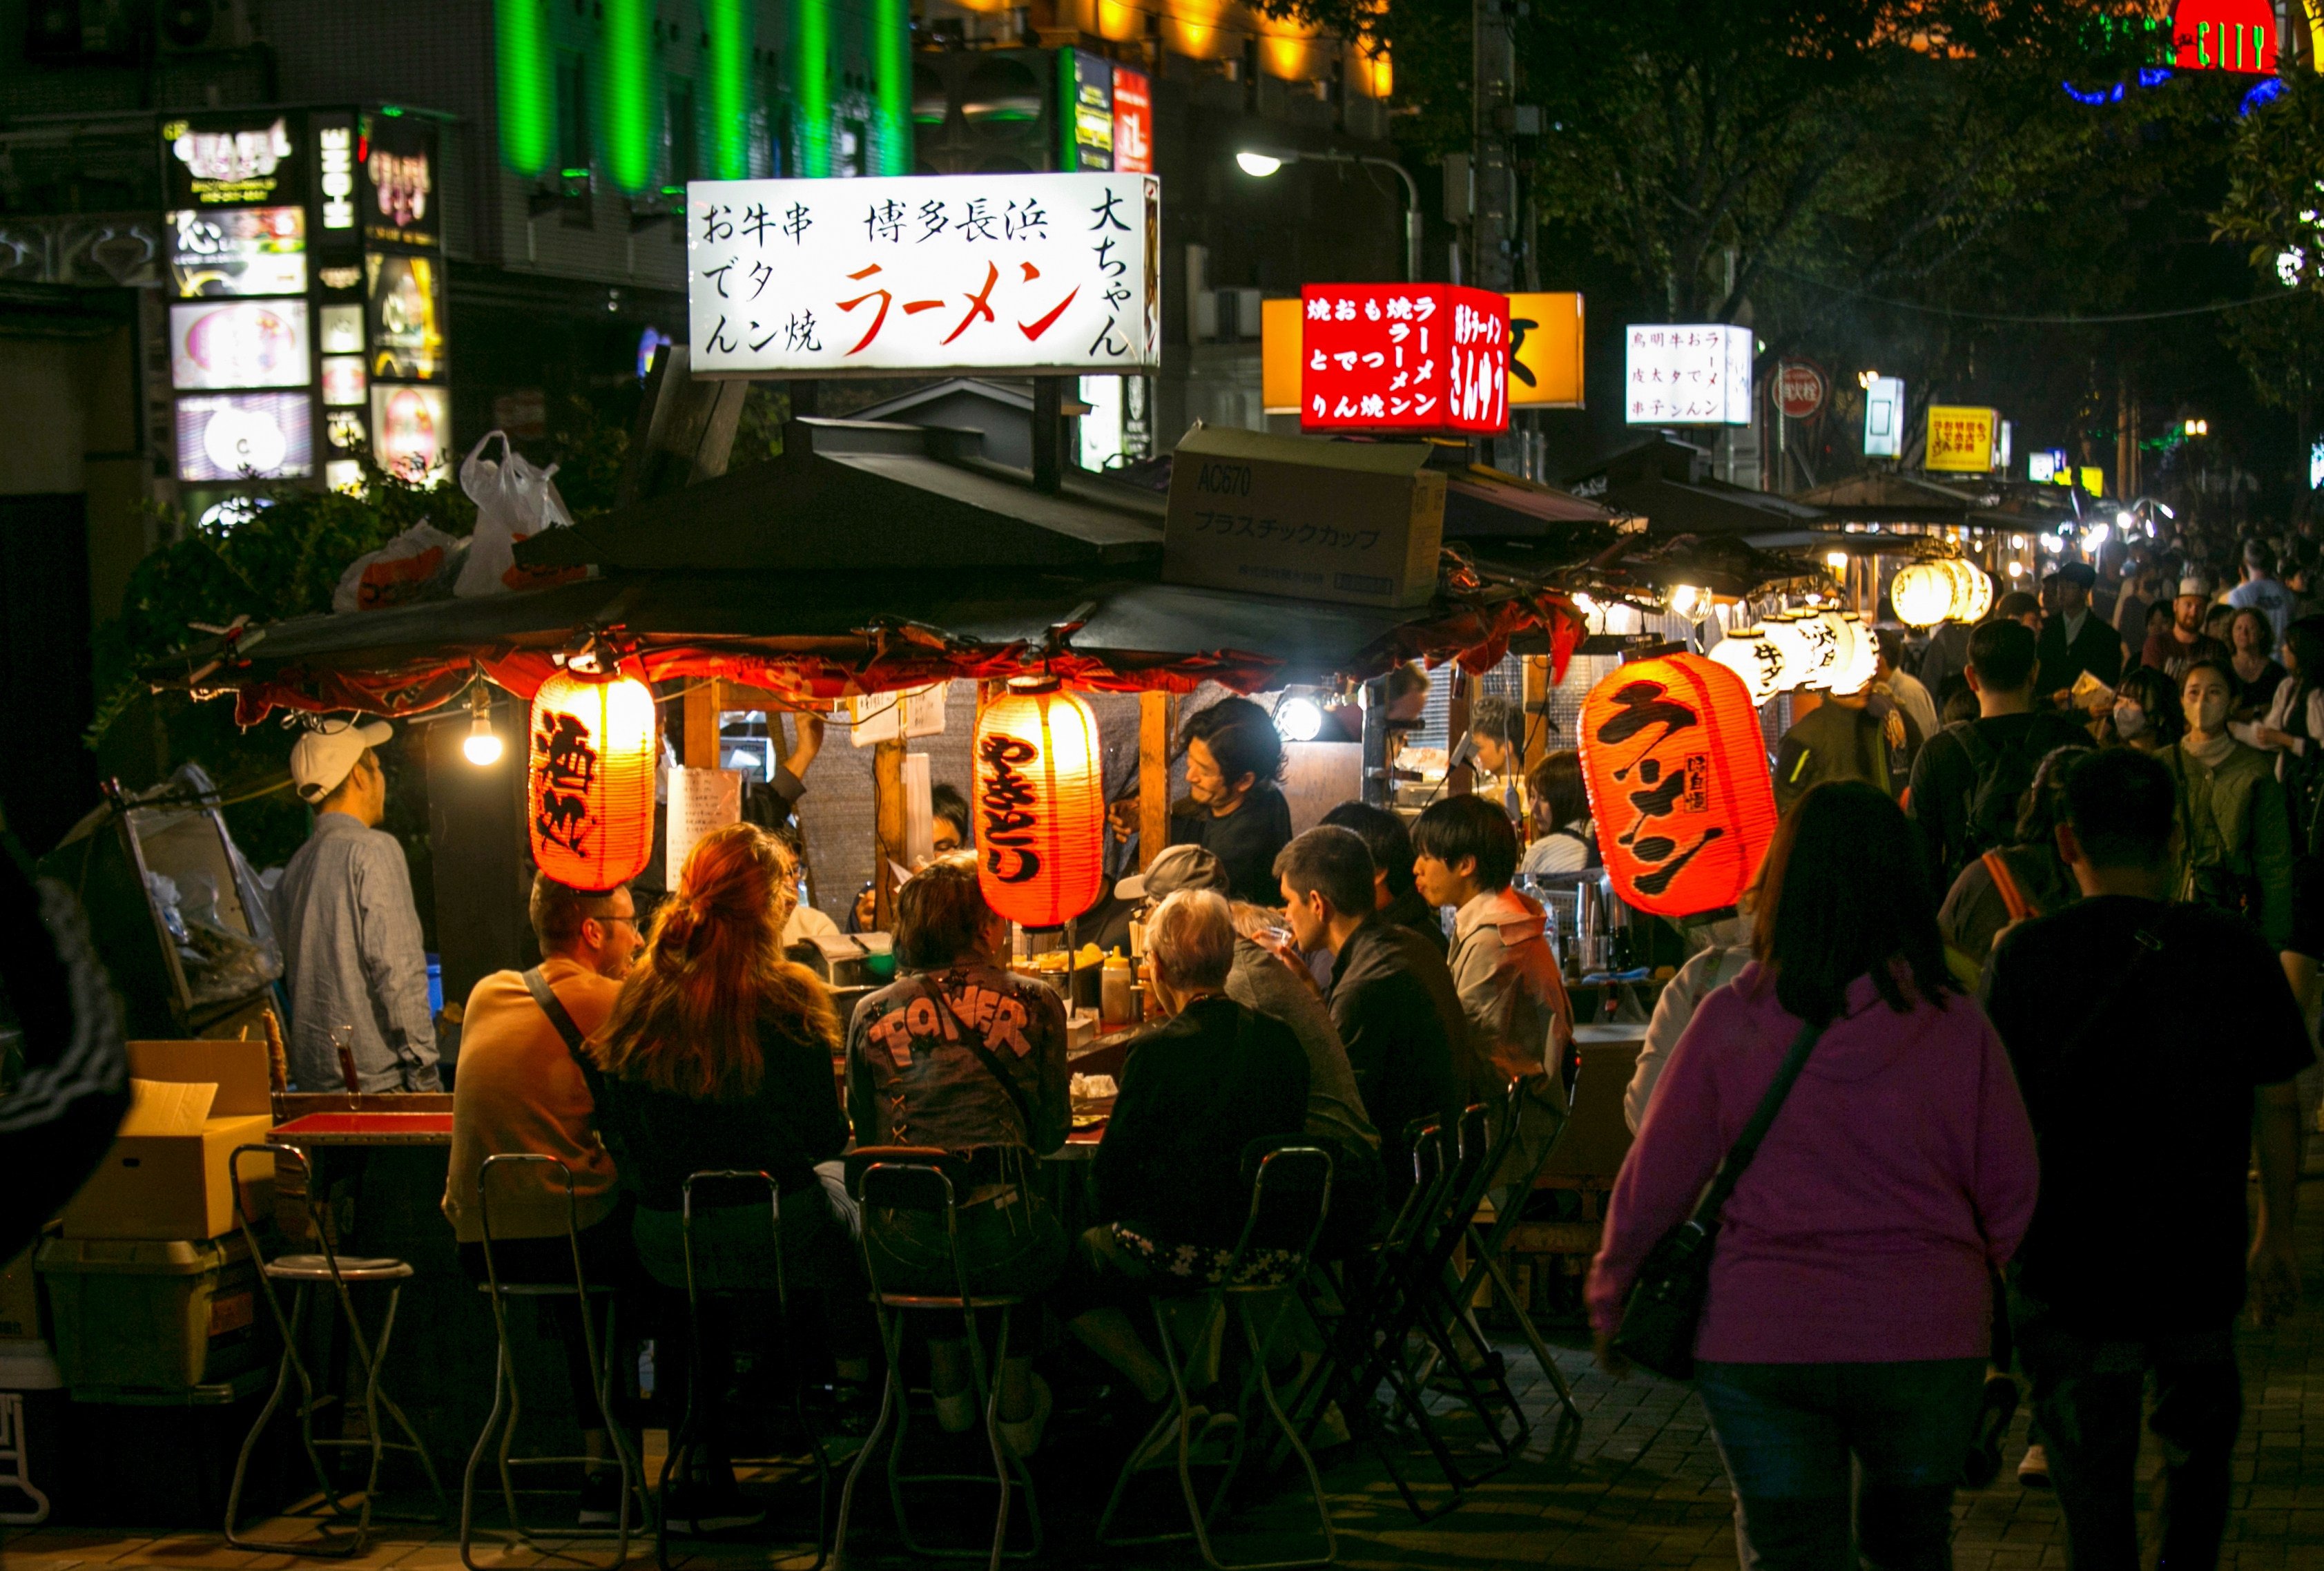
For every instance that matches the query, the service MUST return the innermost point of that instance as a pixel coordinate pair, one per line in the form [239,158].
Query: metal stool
[305,1274]
[921,1179]
[1302,1189]
[688,1435]
[508,1397]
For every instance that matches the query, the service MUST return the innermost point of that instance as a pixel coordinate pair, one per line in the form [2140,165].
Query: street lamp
[1261,163]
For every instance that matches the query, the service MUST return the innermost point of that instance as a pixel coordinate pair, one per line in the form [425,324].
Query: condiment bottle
[1115,1005]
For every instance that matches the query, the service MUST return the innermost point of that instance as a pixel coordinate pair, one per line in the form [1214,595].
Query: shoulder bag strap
[536,981]
[975,1043]
[2005,883]
[1747,1144]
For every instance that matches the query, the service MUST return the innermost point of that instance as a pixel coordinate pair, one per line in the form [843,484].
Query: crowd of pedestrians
[2060,995]
[1956,1002]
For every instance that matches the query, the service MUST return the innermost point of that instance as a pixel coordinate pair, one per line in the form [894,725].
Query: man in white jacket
[1464,853]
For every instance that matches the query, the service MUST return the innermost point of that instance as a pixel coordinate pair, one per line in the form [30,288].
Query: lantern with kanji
[1040,806]
[1677,776]
[1946,589]
[589,785]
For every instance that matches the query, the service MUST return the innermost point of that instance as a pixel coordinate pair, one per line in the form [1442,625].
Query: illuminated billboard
[238,344]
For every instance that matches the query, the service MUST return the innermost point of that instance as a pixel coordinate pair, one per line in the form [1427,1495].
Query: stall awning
[828,635]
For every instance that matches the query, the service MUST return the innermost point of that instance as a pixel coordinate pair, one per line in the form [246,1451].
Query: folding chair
[508,1395]
[1409,1295]
[1290,1200]
[928,1182]
[1485,1250]
[305,1274]
[679,1463]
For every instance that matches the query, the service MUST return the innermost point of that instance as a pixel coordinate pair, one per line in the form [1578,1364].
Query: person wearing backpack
[2135,1266]
[1971,778]
[524,1085]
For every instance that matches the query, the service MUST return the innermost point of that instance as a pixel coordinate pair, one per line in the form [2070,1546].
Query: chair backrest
[1597,1136]
[278,1154]
[1290,1200]
[903,1178]
[513,1163]
[774,1221]
[904,1181]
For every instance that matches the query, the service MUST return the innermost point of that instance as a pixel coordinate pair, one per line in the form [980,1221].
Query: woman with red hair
[718,1055]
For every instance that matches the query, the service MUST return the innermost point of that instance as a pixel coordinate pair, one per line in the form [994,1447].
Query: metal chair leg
[890,1395]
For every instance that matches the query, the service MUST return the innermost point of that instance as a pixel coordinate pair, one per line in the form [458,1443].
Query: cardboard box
[166,1176]
[1358,522]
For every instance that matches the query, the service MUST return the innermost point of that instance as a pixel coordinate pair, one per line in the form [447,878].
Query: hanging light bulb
[482,745]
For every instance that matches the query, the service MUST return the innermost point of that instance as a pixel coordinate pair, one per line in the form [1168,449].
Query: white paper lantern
[1749,654]
[1945,589]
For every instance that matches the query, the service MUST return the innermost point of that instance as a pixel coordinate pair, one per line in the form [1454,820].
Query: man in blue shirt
[353,961]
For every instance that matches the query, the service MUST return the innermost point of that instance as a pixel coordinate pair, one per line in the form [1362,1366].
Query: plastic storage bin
[189,1440]
[135,1316]
[31,1433]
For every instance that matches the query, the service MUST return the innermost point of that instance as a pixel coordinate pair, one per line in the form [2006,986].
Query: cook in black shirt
[1236,812]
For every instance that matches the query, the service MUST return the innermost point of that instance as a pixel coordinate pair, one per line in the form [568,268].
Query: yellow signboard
[1545,334]
[1961,440]
[2094,480]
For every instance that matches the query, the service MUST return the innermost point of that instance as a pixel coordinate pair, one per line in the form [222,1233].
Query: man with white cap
[352,956]
[2183,643]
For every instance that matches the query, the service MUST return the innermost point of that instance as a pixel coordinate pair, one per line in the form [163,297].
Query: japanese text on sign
[1023,273]
[1418,358]
[1687,376]
[1961,440]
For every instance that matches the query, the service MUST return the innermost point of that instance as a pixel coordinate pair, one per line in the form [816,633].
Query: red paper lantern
[1040,807]
[590,782]
[1677,775]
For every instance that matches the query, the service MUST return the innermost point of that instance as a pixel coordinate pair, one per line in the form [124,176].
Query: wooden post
[1536,704]
[1378,789]
[704,703]
[1153,716]
[886,828]
[1461,781]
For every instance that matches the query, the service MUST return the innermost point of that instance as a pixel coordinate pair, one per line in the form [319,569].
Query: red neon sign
[1410,357]
[1133,122]
[2225,35]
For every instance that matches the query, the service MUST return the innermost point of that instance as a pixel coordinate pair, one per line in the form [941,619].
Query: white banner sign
[1024,272]
[1697,374]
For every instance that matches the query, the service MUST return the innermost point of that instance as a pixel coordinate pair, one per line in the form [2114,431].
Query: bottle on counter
[1116,1003]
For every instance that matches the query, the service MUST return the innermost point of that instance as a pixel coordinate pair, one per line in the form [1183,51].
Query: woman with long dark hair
[1849,1314]
[2145,713]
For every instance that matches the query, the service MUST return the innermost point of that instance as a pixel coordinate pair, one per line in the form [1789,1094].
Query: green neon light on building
[630,123]
[811,83]
[528,107]
[728,70]
[891,57]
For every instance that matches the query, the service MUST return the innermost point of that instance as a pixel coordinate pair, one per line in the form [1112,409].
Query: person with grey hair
[1263,979]
[1197,1092]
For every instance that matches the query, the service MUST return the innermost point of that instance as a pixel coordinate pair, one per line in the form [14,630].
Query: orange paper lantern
[1677,776]
[1040,807]
[589,785]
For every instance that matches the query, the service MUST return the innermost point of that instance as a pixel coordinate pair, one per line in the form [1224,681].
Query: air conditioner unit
[183,26]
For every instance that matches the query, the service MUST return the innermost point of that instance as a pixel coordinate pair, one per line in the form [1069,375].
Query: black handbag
[1658,1329]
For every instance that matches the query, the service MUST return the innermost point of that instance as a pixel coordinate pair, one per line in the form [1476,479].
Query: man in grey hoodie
[1512,990]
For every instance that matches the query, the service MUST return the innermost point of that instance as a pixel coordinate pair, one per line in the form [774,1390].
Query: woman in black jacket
[718,1055]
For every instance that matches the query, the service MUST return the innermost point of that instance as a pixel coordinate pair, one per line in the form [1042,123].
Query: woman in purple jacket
[1849,1313]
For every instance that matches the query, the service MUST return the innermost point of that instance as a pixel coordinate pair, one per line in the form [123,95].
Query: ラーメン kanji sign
[1403,357]
[1686,374]
[1026,273]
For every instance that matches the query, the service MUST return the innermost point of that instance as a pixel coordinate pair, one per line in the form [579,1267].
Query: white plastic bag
[419,564]
[515,498]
